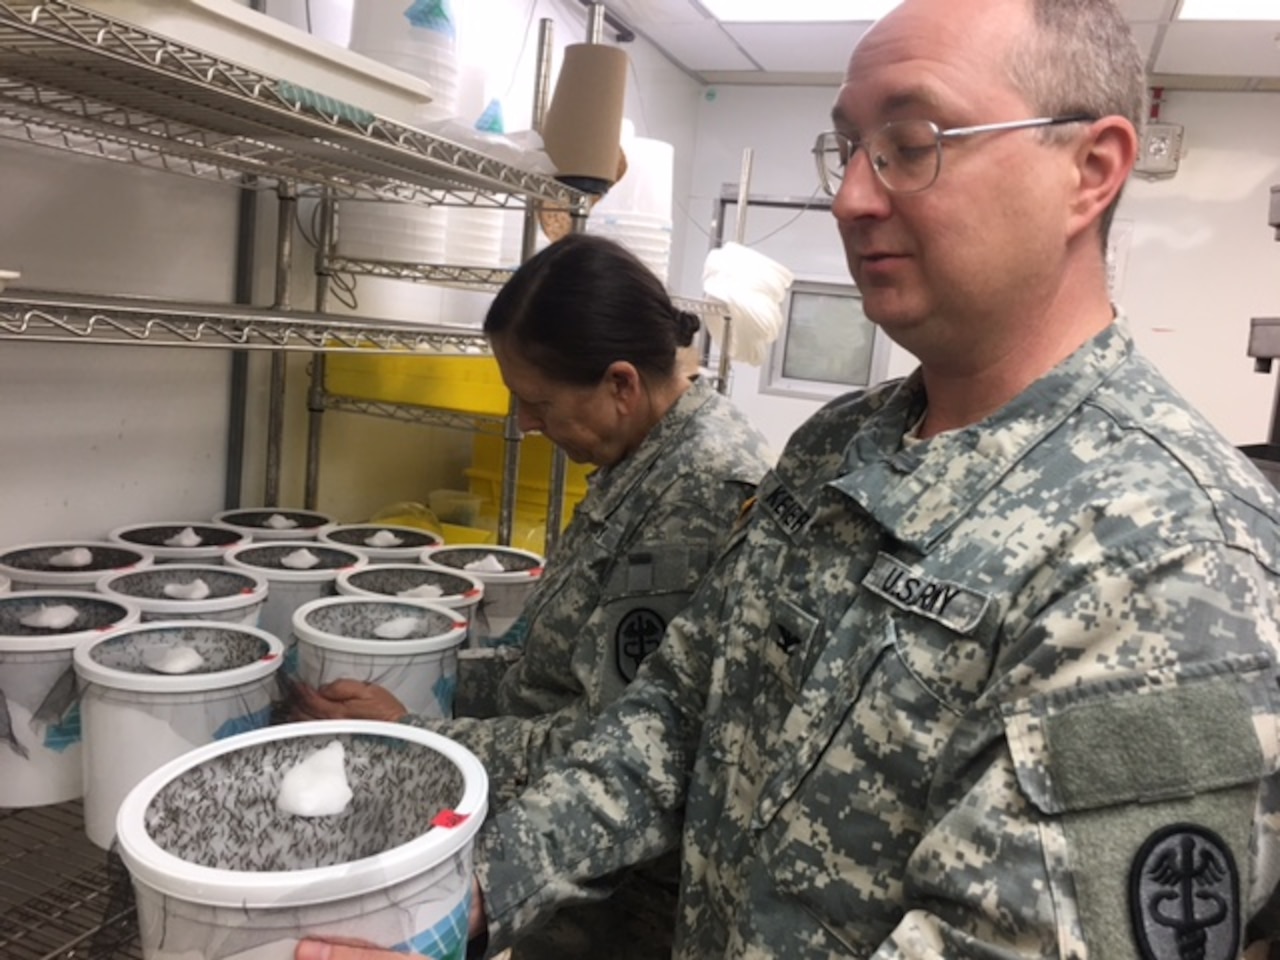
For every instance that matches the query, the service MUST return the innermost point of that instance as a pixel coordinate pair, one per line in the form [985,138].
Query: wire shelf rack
[61,898]
[80,81]
[29,316]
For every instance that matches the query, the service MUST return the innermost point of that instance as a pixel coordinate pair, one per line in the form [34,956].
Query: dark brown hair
[586,302]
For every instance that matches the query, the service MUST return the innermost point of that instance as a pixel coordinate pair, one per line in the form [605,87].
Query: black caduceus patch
[637,636]
[1184,896]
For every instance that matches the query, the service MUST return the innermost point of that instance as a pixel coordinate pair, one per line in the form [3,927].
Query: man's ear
[1103,163]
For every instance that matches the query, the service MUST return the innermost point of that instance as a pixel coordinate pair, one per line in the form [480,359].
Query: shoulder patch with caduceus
[1184,896]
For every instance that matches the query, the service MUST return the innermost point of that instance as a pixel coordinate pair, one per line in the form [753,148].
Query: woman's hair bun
[687,327]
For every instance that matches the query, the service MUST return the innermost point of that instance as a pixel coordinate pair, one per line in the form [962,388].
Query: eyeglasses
[907,154]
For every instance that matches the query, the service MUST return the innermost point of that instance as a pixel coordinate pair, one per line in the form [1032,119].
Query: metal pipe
[739,235]
[286,210]
[238,385]
[315,391]
[511,435]
[595,22]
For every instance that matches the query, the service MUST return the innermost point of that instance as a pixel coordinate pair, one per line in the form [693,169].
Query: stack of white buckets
[219,871]
[420,39]
[636,212]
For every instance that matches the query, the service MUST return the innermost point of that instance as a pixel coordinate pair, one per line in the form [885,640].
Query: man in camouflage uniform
[991,671]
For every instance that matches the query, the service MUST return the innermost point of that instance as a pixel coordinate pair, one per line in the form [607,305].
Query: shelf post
[285,211]
[315,391]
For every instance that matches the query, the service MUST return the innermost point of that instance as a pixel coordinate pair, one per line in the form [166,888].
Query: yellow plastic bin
[458,383]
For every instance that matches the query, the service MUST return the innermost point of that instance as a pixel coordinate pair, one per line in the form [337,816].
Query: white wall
[94,437]
[1202,260]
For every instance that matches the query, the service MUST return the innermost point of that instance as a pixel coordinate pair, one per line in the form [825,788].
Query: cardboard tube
[584,122]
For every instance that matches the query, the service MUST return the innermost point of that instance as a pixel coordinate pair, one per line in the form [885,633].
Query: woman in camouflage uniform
[587,339]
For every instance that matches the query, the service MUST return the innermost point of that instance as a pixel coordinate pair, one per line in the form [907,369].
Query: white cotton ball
[197,589]
[383,538]
[316,787]
[300,559]
[278,522]
[75,557]
[176,659]
[51,618]
[397,628]
[426,591]
[486,564]
[187,537]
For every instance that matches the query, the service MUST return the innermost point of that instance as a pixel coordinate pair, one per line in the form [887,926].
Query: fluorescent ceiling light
[793,11]
[1229,10]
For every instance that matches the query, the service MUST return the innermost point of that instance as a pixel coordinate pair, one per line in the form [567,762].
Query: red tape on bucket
[448,819]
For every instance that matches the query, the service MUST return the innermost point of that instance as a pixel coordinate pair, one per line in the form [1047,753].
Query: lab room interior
[299,463]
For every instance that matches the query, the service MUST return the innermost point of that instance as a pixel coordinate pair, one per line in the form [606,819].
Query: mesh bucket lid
[205,827]
[94,615]
[229,655]
[160,588]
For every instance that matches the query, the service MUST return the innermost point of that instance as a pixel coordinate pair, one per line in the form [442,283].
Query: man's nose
[861,193]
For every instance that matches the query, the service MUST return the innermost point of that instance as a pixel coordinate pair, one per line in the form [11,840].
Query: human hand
[346,700]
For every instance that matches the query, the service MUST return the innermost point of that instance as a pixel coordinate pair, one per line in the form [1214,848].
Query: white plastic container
[220,872]
[283,524]
[289,588]
[338,638]
[505,591]
[4,584]
[40,749]
[135,719]
[175,542]
[171,591]
[68,565]
[380,542]
[459,592]
[275,49]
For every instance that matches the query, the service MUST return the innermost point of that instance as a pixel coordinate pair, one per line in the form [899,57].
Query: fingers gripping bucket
[454,589]
[136,718]
[409,647]
[221,873]
[505,591]
[188,591]
[40,747]
[289,587]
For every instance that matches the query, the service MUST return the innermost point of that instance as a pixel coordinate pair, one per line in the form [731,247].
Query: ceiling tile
[1145,35]
[699,47]
[1227,49]
[809,47]
[642,14]
[1147,11]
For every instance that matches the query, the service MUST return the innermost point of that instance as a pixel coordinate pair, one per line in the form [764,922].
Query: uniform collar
[611,485]
[918,493]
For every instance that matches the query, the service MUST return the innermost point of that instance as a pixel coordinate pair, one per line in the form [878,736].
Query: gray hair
[1081,58]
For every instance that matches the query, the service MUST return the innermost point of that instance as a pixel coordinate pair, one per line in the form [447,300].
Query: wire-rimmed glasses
[907,154]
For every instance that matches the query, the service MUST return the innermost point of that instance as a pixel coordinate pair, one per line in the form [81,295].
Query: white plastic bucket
[135,719]
[68,564]
[234,596]
[264,523]
[338,639]
[287,588]
[380,542]
[458,591]
[177,542]
[4,584]
[505,591]
[221,874]
[40,748]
